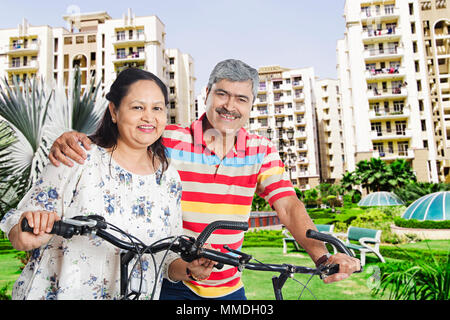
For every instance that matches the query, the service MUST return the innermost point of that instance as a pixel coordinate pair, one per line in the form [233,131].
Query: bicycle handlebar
[189,248]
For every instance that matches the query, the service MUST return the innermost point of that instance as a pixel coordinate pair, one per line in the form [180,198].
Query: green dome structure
[380,198]
[434,206]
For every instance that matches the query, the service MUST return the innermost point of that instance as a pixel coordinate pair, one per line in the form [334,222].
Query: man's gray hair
[234,70]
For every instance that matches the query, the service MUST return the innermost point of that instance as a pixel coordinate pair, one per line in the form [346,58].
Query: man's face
[228,105]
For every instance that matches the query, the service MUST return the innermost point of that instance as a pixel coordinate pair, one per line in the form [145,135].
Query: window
[171,60]
[120,35]
[376,127]
[15,62]
[121,53]
[400,127]
[68,40]
[424,125]
[172,90]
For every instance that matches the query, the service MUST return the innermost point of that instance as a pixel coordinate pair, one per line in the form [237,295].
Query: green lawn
[258,284]
[9,270]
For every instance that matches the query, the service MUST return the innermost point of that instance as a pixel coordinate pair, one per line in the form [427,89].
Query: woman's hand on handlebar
[41,222]
[347,266]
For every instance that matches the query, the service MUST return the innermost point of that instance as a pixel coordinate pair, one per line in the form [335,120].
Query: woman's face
[142,115]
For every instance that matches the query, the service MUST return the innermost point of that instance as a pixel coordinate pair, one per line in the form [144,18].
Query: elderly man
[221,166]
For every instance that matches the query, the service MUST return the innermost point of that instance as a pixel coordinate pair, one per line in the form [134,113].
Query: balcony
[391,135]
[380,14]
[261,101]
[300,134]
[300,108]
[135,39]
[299,96]
[386,73]
[383,54]
[132,57]
[18,66]
[375,36]
[390,114]
[394,154]
[386,93]
[297,84]
[19,49]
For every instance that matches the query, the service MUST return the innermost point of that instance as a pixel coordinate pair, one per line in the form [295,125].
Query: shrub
[413,223]
[418,281]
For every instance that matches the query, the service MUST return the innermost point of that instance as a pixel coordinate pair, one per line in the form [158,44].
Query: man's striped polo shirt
[215,189]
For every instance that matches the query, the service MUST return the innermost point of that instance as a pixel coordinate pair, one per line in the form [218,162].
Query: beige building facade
[284,111]
[435,24]
[385,98]
[100,47]
[329,130]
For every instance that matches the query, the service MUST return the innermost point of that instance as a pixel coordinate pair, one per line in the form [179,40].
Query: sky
[288,33]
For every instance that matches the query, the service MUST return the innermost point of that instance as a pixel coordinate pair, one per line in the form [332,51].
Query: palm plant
[36,115]
[419,281]
[413,190]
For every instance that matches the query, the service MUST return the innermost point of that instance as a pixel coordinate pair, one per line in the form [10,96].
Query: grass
[258,284]
[10,270]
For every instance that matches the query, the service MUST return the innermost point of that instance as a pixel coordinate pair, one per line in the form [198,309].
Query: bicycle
[189,249]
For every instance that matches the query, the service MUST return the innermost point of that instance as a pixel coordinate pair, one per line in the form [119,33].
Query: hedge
[412,254]
[417,224]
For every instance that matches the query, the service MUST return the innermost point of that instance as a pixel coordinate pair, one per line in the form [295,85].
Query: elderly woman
[127,179]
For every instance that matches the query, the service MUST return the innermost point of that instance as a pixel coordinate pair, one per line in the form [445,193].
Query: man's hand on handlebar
[347,266]
[67,147]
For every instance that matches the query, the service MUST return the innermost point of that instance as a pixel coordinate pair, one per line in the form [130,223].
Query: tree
[34,115]
[376,175]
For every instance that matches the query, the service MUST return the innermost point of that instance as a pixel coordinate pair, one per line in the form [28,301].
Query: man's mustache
[223,111]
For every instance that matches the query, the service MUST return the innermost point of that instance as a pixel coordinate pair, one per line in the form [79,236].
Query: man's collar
[197,133]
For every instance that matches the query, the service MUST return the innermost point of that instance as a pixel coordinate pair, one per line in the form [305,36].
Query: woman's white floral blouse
[87,267]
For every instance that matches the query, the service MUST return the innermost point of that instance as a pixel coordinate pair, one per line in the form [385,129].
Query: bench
[325,228]
[368,239]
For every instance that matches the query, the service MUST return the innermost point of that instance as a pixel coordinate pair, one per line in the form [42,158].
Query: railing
[29,46]
[125,37]
[375,92]
[373,72]
[381,32]
[404,111]
[134,55]
[30,64]
[393,153]
[380,52]
[392,133]
[374,12]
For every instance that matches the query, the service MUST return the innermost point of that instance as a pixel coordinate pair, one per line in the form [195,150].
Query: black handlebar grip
[220,224]
[59,228]
[25,226]
[330,239]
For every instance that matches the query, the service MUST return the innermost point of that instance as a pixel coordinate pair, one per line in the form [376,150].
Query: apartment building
[181,87]
[284,111]
[101,47]
[435,23]
[329,130]
[385,100]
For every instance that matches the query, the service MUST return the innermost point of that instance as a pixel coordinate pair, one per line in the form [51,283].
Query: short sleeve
[51,192]
[273,182]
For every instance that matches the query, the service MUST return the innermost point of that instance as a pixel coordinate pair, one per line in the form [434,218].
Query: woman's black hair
[107,133]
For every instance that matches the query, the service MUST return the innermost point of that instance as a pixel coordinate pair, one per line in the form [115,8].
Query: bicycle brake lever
[326,270]
[244,258]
